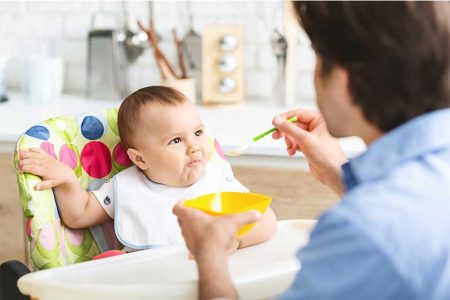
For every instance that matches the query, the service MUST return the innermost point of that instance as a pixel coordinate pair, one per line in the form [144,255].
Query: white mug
[42,78]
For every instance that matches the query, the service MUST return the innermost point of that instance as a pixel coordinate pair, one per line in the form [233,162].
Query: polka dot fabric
[89,144]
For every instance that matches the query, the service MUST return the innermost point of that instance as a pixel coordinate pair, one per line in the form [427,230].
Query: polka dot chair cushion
[90,145]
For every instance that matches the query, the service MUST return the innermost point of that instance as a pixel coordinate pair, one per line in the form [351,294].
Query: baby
[164,137]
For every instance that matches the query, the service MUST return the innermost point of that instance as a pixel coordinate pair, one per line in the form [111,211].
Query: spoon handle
[260,136]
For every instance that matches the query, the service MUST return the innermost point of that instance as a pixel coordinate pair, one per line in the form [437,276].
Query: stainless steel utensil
[106,65]
[192,51]
[192,43]
[135,42]
[279,48]
[107,62]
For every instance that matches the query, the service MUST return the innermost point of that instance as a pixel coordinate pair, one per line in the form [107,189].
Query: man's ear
[342,84]
[137,158]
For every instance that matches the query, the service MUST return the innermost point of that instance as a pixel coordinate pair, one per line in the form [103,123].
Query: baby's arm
[263,231]
[78,208]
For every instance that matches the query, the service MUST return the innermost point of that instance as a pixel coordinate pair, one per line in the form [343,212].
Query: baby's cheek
[207,152]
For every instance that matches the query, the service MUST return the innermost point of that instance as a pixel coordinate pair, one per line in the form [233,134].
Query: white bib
[143,209]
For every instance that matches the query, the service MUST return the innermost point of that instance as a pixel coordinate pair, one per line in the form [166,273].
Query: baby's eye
[175,141]
[199,132]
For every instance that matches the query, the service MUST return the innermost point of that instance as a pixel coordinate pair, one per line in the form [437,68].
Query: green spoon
[243,148]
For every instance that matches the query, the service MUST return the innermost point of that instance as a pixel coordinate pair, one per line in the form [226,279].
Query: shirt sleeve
[340,262]
[105,196]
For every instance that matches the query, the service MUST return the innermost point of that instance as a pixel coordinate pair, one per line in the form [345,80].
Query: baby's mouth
[195,160]
[194,163]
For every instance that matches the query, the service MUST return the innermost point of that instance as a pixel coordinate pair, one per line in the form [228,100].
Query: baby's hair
[128,118]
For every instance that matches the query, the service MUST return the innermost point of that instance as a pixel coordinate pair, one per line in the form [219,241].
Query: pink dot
[49,148]
[120,156]
[219,149]
[28,226]
[96,159]
[47,236]
[68,156]
[75,236]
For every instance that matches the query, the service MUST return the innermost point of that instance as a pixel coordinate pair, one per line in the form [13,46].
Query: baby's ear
[137,158]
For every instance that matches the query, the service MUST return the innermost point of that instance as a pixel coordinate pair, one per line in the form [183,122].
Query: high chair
[90,145]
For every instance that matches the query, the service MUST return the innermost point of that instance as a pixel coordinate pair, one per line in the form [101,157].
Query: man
[383,74]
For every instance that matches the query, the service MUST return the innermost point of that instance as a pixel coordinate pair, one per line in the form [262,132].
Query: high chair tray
[260,271]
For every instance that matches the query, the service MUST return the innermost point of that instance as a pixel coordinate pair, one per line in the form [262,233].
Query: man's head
[393,59]
[163,135]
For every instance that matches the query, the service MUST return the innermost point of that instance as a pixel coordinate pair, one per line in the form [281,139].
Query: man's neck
[369,133]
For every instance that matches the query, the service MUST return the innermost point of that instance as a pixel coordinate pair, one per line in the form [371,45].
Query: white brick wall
[67,24]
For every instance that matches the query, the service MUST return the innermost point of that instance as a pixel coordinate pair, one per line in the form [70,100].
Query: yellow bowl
[231,203]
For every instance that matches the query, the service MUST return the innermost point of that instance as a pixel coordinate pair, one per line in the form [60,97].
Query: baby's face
[173,143]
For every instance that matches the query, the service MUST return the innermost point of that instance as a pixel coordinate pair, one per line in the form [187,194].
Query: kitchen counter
[231,125]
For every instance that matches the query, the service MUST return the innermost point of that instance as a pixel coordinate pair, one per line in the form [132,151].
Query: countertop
[231,125]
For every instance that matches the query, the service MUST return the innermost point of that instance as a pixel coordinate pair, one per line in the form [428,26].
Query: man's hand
[310,136]
[211,236]
[54,173]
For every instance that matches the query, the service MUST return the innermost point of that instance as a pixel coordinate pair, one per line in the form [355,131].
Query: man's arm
[214,279]
[78,208]
[343,262]
[209,239]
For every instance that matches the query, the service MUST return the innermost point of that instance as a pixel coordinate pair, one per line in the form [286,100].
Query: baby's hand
[36,161]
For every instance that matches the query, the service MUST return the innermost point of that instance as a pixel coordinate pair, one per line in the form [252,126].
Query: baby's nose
[194,149]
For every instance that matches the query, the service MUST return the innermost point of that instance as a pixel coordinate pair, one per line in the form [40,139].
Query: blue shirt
[389,236]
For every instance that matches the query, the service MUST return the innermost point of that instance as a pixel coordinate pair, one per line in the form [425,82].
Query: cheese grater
[107,65]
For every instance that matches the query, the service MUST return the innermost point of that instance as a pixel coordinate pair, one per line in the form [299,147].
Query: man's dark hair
[129,115]
[397,54]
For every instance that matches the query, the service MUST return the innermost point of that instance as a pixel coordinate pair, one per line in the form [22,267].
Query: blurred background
[62,58]
[50,40]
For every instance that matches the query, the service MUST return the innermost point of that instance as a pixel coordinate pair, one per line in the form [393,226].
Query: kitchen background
[44,72]
[59,30]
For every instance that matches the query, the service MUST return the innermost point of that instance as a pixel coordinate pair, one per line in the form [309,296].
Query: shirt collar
[422,134]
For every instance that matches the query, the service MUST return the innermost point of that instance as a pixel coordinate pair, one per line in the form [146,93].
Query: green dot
[111,116]
[65,127]
[82,259]
[85,244]
[50,265]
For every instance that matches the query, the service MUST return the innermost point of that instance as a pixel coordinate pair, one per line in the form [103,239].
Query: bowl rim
[263,198]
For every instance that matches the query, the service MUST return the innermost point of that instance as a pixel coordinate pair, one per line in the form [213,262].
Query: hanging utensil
[279,48]
[135,42]
[163,64]
[151,19]
[179,47]
[192,43]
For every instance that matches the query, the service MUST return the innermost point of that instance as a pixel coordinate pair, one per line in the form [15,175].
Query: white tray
[261,271]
